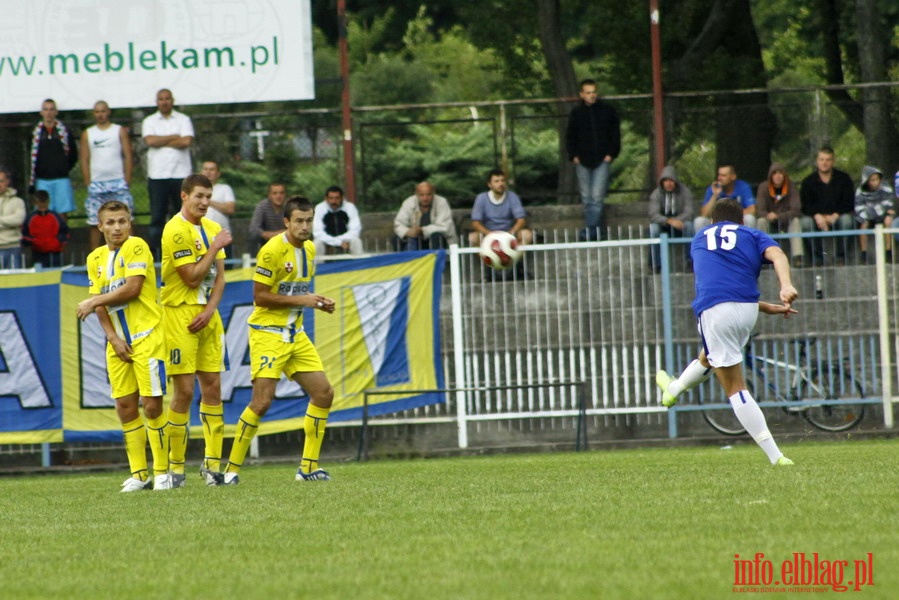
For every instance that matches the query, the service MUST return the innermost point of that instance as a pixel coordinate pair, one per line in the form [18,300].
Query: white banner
[205,51]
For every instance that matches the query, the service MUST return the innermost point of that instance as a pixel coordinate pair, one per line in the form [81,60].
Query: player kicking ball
[123,295]
[727,260]
[284,269]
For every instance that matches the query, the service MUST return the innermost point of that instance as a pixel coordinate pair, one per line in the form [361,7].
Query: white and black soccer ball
[499,250]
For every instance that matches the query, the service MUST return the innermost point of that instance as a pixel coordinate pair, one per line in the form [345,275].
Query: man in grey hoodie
[670,211]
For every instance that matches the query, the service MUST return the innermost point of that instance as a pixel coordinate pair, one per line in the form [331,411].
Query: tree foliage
[458,51]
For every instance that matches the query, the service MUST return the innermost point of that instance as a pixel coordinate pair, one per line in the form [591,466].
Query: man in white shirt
[106,163]
[222,203]
[168,135]
[336,225]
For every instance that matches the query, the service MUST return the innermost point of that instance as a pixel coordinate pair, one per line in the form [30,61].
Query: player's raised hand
[222,239]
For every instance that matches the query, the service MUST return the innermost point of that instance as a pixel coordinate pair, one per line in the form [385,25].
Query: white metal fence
[596,313]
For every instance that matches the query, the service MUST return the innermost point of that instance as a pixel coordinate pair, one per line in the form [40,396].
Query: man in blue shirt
[727,186]
[727,260]
[498,209]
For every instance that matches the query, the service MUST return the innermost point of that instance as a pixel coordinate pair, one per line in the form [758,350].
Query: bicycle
[807,383]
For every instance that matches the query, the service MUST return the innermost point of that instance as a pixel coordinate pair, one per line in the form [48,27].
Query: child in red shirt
[45,231]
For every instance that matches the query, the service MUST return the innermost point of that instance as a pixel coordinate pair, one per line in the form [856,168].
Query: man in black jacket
[827,198]
[593,140]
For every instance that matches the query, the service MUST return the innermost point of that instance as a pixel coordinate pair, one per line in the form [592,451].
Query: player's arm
[193,274]
[777,309]
[84,156]
[127,154]
[212,303]
[121,295]
[788,293]
[263,297]
[121,347]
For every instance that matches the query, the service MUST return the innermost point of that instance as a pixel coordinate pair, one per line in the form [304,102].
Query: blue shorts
[101,192]
[62,199]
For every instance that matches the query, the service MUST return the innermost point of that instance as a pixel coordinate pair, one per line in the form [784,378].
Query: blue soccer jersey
[727,260]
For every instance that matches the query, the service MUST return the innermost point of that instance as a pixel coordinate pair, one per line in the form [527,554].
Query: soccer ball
[499,250]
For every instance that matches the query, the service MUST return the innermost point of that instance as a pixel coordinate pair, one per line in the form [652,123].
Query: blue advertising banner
[383,336]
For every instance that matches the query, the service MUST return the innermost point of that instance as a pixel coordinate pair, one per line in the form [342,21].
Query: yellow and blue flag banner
[384,335]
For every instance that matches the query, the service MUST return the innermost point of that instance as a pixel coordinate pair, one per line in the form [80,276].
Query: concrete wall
[378,227]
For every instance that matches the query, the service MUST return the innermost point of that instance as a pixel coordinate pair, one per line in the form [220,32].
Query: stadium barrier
[596,312]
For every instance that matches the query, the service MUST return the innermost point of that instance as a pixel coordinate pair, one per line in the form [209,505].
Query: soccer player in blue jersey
[281,290]
[727,259]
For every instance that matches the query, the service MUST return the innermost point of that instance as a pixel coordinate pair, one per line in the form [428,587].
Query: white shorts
[725,330]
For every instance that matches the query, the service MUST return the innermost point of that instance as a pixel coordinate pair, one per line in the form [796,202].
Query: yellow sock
[246,431]
[159,444]
[314,427]
[136,447]
[213,432]
[177,431]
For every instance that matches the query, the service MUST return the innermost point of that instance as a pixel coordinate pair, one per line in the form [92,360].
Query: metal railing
[597,314]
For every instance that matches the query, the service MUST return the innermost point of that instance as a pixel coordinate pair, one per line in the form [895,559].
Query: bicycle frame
[824,383]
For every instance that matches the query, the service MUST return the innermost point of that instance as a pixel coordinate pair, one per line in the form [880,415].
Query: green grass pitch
[648,523]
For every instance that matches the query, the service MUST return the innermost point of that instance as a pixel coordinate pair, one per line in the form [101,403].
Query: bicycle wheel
[724,420]
[836,384]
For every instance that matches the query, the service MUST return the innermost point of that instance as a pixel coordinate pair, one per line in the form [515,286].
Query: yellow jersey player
[123,295]
[284,269]
[193,281]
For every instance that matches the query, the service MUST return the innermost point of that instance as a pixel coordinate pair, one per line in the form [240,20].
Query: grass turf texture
[647,523]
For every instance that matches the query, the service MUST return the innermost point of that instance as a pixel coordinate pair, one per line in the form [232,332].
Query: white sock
[750,416]
[692,376]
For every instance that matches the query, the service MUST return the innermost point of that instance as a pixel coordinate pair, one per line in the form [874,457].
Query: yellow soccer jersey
[287,270]
[107,270]
[185,243]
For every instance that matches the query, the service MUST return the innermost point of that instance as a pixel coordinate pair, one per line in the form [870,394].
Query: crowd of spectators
[825,200]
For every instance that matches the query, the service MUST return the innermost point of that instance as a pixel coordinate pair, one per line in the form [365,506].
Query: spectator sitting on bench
[498,209]
[424,221]
[336,226]
[873,205]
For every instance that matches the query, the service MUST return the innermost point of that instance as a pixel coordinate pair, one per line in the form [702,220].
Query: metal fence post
[458,345]
[883,326]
